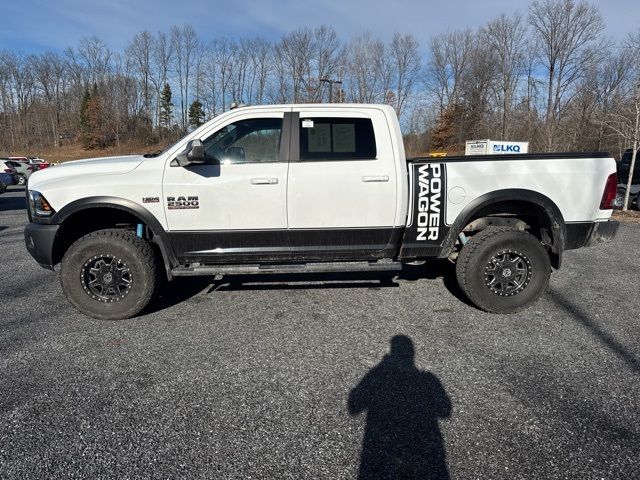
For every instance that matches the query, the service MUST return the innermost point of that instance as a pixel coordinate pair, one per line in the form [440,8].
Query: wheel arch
[518,202]
[81,216]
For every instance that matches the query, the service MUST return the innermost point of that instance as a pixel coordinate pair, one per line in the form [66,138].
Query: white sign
[495,147]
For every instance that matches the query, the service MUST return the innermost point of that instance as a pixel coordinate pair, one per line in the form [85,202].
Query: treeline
[549,76]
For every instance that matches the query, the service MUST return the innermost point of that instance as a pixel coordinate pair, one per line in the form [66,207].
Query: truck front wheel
[109,274]
[503,270]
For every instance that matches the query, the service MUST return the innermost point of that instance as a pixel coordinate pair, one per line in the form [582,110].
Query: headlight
[39,205]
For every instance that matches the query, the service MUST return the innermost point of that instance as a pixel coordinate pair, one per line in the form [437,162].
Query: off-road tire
[618,202]
[478,257]
[134,255]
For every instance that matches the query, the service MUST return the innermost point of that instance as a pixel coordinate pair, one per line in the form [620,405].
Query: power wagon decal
[428,216]
[426,228]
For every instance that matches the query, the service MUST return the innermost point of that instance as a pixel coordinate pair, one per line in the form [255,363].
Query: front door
[342,184]
[233,207]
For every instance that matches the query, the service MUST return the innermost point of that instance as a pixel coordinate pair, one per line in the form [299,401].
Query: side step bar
[320,267]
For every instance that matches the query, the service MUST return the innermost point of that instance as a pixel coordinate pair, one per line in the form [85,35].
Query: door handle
[375,178]
[264,181]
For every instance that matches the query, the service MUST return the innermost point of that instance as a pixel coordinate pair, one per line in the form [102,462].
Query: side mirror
[193,154]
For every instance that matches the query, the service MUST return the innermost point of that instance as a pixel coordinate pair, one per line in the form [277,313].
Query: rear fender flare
[556,220]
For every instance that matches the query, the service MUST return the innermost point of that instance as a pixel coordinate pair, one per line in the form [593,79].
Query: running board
[320,267]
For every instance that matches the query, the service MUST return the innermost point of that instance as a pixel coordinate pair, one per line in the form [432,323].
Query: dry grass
[76,152]
[630,216]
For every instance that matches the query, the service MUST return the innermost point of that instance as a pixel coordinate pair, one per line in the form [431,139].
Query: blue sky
[34,26]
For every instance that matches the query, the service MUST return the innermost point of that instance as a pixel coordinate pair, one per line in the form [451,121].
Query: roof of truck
[319,105]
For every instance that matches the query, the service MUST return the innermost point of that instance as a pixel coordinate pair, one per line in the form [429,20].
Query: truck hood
[89,167]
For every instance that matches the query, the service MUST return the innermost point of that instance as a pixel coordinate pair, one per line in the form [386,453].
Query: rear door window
[337,139]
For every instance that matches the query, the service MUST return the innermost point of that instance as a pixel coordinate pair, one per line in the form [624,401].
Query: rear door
[341,197]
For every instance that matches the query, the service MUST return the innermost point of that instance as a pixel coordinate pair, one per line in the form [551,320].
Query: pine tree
[166,107]
[93,131]
[443,135]
[84,135]
[196,114]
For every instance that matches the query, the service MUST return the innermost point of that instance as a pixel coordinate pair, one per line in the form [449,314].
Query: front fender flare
[160,236]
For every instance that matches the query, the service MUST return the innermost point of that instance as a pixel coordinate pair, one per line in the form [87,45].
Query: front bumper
[602,232]
[39,239]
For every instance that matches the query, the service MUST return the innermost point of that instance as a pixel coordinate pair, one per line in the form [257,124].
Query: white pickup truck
[312,188]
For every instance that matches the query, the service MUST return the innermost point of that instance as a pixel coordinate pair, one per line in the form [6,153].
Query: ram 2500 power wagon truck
[312,188]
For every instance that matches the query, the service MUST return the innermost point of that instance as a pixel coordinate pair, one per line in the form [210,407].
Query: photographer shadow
[403,404]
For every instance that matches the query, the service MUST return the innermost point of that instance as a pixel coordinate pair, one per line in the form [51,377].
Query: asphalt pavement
[315,377]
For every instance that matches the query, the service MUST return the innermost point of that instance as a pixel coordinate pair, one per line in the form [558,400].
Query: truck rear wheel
[109,274]
[503,270]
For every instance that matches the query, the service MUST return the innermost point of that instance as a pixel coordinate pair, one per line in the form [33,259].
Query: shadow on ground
[403,405]
[11,202]
[587,321]
[184,288]
[375,280]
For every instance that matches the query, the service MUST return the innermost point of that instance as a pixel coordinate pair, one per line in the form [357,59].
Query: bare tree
[49,72]
[140,52]
[162,55]
[611,77]
[554,84]
[218,76]
[450,54]
[406,63]
[327,61]
[568,34]
[626,119]
[367,69]
[476,89]
[293,59]
[185,44]
[506,38]
[302,58]
[97,57]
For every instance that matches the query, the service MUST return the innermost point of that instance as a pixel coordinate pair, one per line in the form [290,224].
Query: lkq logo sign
[430,183]
[506,148]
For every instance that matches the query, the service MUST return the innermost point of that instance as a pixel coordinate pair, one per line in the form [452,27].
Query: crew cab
[312,188]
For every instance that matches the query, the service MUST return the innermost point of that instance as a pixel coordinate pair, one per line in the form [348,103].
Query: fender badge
[151,200]
[183,203]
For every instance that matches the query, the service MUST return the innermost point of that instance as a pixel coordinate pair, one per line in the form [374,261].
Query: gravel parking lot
[255,378]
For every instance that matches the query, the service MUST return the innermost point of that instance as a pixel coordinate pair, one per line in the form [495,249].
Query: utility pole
[636,134]
[331,82]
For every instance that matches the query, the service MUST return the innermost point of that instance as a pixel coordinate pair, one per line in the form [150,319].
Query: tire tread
[144,252]
[468,253]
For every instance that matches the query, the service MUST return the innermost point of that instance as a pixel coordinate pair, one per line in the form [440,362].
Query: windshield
[160,152]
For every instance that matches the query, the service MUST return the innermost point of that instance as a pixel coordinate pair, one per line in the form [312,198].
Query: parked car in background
[39,162]
[624,168]
[23,170]
[35,162]
[5,167]
[6,179]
